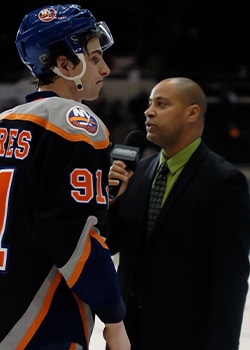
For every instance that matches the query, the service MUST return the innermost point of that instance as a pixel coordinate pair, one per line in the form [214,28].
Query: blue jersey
[56,270]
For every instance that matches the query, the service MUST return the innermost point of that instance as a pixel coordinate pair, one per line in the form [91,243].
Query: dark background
[206,40]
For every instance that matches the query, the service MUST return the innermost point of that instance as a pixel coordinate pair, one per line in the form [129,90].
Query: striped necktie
[156,196]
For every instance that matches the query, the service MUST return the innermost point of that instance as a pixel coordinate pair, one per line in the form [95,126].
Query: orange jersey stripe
[85,254]
[43,312]
[66,135]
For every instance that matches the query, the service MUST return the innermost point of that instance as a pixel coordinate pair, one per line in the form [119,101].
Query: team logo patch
[47,14]
[81,119]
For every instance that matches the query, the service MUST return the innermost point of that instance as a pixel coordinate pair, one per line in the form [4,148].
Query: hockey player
[56,272]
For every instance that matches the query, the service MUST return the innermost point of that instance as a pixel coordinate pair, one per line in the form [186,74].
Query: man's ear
[194,113]
[62,64]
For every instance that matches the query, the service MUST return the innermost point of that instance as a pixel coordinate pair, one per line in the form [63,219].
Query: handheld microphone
[129,153]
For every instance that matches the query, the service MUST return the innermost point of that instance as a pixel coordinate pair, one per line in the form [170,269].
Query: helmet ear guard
[77,78]
[45,26]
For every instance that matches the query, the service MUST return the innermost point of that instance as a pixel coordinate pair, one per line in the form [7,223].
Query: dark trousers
[132,323]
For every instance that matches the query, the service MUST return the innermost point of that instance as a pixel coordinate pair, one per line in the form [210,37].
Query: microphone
[129,152]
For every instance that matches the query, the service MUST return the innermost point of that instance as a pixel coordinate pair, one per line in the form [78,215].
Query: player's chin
[90,96]
[96,91]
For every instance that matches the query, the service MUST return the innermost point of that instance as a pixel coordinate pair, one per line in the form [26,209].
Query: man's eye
[95,59]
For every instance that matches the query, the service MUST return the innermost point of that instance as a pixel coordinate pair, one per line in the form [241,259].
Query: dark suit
[193,273]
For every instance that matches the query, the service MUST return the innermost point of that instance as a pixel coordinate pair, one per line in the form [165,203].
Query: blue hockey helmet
[47,25]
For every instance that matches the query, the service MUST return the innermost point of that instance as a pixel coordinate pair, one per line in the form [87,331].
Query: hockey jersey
[56,271]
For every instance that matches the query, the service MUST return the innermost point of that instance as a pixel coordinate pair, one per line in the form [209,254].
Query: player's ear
[63,64]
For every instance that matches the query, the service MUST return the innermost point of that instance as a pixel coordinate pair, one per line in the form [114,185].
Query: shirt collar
[39,94]
[180,159]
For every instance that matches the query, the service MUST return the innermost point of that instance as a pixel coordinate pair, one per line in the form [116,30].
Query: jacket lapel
[185,177]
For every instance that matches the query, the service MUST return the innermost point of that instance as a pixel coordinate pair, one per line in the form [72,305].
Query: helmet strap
[77,78]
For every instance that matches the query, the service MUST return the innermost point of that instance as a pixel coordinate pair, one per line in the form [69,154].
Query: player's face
[96,70]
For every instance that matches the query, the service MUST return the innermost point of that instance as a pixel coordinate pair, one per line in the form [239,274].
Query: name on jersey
[14,143]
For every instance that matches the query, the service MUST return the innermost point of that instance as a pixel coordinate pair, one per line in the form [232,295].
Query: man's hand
[118,172]
[116,336]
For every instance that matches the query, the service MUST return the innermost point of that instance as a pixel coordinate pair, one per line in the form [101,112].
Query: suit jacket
[194,271]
